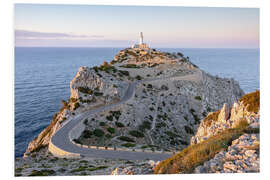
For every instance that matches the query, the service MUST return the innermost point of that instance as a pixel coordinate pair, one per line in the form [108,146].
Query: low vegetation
[195,155]
[98,133]
[85,90]
[43,172]
[125,138]
[130,66]
[198,98]
[137,134]
[119,124]
[128,145]
[138,77]
[87,133]
[76,105]
[252,101]
[111,130]
[211,117]
[145,125]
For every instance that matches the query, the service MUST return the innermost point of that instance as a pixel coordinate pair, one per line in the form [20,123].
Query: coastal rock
[43,139]
[226,118]
[241,157]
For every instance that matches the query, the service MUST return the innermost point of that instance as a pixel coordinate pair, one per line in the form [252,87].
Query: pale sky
[119,26]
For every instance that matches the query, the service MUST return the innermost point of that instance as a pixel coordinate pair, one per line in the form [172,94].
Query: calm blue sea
[42,77]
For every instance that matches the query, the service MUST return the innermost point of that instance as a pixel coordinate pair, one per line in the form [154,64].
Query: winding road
[61,139]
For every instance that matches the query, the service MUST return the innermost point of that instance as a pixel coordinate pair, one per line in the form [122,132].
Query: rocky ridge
[227,141]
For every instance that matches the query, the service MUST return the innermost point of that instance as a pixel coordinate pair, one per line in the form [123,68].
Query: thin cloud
[24,34]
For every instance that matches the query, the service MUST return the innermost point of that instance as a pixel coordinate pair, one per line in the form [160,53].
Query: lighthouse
[141,38]
[141,44]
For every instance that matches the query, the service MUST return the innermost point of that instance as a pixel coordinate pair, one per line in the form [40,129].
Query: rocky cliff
[227,141]
[164,112]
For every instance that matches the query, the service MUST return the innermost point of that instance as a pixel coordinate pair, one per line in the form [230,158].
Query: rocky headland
[174,105]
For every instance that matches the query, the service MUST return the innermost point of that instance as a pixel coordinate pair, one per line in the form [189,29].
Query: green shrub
[130,66]
[43,172]
[111,130]
[198,98]
[72,99]
[161,124]
[109,118]
[251,101]
[164,87]
[95,68]
[108,136]
[149,86]
[125,73]
[119,124]
[116,114]
[125,138]
[188,130]
[102,123]
[128,145]
[77,141]
[145,125]
[138,77]
[85,90]
[87,133]
[107,68]
[98,93]
[180,54]
[85,122]
[137,134]
[98,132]
[171,134]
[76,105]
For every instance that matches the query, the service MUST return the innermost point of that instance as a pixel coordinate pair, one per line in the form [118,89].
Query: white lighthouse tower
[141,38]
[141,45]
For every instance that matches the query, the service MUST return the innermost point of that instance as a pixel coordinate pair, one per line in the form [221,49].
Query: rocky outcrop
[225,118]
[91,84]
[243,156]
[142,168]
[43,139]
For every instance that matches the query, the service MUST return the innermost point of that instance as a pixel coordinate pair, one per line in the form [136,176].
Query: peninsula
[143,107]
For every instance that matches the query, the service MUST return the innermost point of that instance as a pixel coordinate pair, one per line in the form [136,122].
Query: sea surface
[42,77]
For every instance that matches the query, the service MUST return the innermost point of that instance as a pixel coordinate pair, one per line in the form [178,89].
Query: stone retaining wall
[61,153]
[123,149]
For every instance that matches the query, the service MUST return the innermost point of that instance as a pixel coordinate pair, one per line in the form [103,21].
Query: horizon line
[130,47]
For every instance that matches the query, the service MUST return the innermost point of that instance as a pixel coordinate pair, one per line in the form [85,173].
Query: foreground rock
[228,137]
[227,117]
[243,156]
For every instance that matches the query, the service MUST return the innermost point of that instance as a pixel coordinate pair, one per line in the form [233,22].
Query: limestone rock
[241,157]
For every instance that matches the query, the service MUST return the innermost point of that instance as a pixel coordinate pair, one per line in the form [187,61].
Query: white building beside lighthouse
[141,44]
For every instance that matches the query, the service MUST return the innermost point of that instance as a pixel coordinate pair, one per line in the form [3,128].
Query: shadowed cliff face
[163,113]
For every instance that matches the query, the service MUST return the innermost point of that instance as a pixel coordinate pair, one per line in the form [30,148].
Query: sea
[42,77]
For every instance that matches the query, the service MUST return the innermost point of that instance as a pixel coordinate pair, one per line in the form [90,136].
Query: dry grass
[195,155]
[252,101]
[211,117]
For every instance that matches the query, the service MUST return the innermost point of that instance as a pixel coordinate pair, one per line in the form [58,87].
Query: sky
[40,25]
